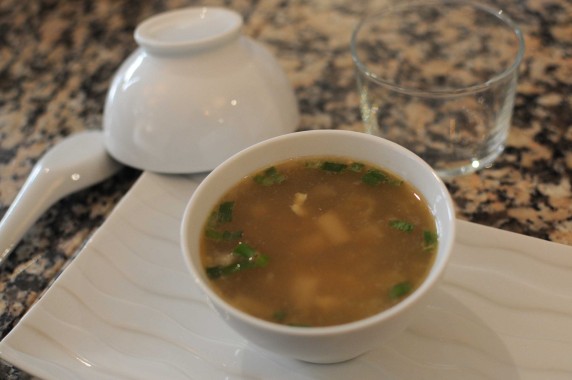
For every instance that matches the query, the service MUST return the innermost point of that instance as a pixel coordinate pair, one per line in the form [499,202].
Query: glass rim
[495,12]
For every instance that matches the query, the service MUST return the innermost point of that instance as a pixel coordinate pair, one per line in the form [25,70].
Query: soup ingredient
[399,290]
[401,225]
[318,242]
[298,205]
[430,240]
[247,257]
[270,177]
[221,216]
[333,227]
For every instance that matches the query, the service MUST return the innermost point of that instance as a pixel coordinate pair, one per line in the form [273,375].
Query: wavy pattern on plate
[126,308]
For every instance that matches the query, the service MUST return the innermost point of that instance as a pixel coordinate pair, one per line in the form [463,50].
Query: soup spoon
[75,163]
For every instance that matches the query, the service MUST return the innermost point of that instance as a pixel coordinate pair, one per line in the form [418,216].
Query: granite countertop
[57,59]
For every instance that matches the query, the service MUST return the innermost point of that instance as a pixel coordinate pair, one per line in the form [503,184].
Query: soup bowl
[332,343]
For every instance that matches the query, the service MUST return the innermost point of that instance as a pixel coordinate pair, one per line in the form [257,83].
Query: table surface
[57,59]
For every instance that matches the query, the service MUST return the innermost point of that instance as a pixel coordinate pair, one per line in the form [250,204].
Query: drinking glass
[439,78]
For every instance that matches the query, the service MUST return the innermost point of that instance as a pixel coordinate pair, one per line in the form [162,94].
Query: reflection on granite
[57,59]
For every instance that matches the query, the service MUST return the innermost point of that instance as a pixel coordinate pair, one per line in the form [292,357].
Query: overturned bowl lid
[195,92]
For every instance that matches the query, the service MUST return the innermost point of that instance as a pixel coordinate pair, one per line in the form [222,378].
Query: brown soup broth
[319,243]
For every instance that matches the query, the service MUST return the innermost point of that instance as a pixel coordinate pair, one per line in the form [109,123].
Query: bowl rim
[428,283]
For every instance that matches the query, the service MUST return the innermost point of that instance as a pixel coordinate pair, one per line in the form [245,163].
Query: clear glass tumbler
[439,78]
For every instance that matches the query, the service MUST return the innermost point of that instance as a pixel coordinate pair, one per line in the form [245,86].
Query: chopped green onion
[224,214]
[224,235]
[401,225]
[399,290]
[213,272]
[257,260]
[219,271]
[244,250]
[374,177]
[333,166]
[430,240]
[269,177]
[248,258]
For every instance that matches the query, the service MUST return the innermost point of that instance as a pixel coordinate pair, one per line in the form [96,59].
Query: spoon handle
[75,163]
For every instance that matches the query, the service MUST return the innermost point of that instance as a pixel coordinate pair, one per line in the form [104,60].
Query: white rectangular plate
[126,308]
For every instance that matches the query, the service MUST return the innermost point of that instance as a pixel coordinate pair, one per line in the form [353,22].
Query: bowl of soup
[319,245]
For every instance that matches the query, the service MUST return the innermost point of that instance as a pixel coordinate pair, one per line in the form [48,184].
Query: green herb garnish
[374,177]
[269,177]
[244,250]
[219,271]
[251,258]
[430,240]
[401,225]
[399,290]
[335,167]
[224,213]
[248,258]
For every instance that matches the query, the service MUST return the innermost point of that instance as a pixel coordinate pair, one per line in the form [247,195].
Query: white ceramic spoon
[75,163]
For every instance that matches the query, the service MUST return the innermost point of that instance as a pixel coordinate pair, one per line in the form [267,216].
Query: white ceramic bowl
[194,93]
[320,344]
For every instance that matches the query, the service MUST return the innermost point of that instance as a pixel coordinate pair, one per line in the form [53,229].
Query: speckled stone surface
[57,59]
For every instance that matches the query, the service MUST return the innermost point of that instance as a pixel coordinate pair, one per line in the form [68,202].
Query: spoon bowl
[75,163]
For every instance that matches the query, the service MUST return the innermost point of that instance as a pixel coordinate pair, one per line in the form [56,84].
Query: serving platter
[126,308]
